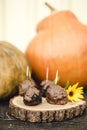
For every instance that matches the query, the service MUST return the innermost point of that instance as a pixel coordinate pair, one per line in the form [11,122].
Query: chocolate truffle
[32,97]
[55,94]
[25,85]
[44,86]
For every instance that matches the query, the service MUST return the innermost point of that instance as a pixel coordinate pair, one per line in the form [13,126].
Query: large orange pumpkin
[55,19]
[61,43]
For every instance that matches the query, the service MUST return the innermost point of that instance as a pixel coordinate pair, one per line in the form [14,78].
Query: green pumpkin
[13,64]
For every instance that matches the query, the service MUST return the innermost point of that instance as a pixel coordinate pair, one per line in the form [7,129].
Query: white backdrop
[18,18]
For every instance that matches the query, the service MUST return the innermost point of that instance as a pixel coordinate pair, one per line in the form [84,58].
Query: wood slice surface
[45,112]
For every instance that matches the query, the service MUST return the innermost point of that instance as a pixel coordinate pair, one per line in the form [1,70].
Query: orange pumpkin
[55,19]
[61,43]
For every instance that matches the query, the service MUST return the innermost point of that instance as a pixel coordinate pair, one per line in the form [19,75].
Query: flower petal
[75,93]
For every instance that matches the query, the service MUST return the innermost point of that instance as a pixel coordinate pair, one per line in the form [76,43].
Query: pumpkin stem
[52,9]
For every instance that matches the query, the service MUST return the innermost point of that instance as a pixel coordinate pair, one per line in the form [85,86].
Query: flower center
[71,93]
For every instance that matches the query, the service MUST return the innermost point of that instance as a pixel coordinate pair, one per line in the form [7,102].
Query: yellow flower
[75,93]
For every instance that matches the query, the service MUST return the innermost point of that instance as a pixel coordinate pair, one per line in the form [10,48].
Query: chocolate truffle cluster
[31,95]
[54,94]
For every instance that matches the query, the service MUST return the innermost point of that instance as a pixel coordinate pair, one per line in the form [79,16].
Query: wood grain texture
[45,112]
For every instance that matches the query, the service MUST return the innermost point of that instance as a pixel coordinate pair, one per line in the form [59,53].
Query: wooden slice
[45,112]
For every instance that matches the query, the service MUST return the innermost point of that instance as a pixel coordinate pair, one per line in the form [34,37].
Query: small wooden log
[45,112]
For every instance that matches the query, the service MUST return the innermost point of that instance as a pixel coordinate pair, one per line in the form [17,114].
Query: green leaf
[67,85]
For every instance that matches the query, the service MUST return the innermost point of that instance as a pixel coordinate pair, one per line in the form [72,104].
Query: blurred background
[18,18]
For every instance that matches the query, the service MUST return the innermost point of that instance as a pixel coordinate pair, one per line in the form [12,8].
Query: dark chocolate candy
[55,94]
[44,86]
[32,96]
[25,85]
